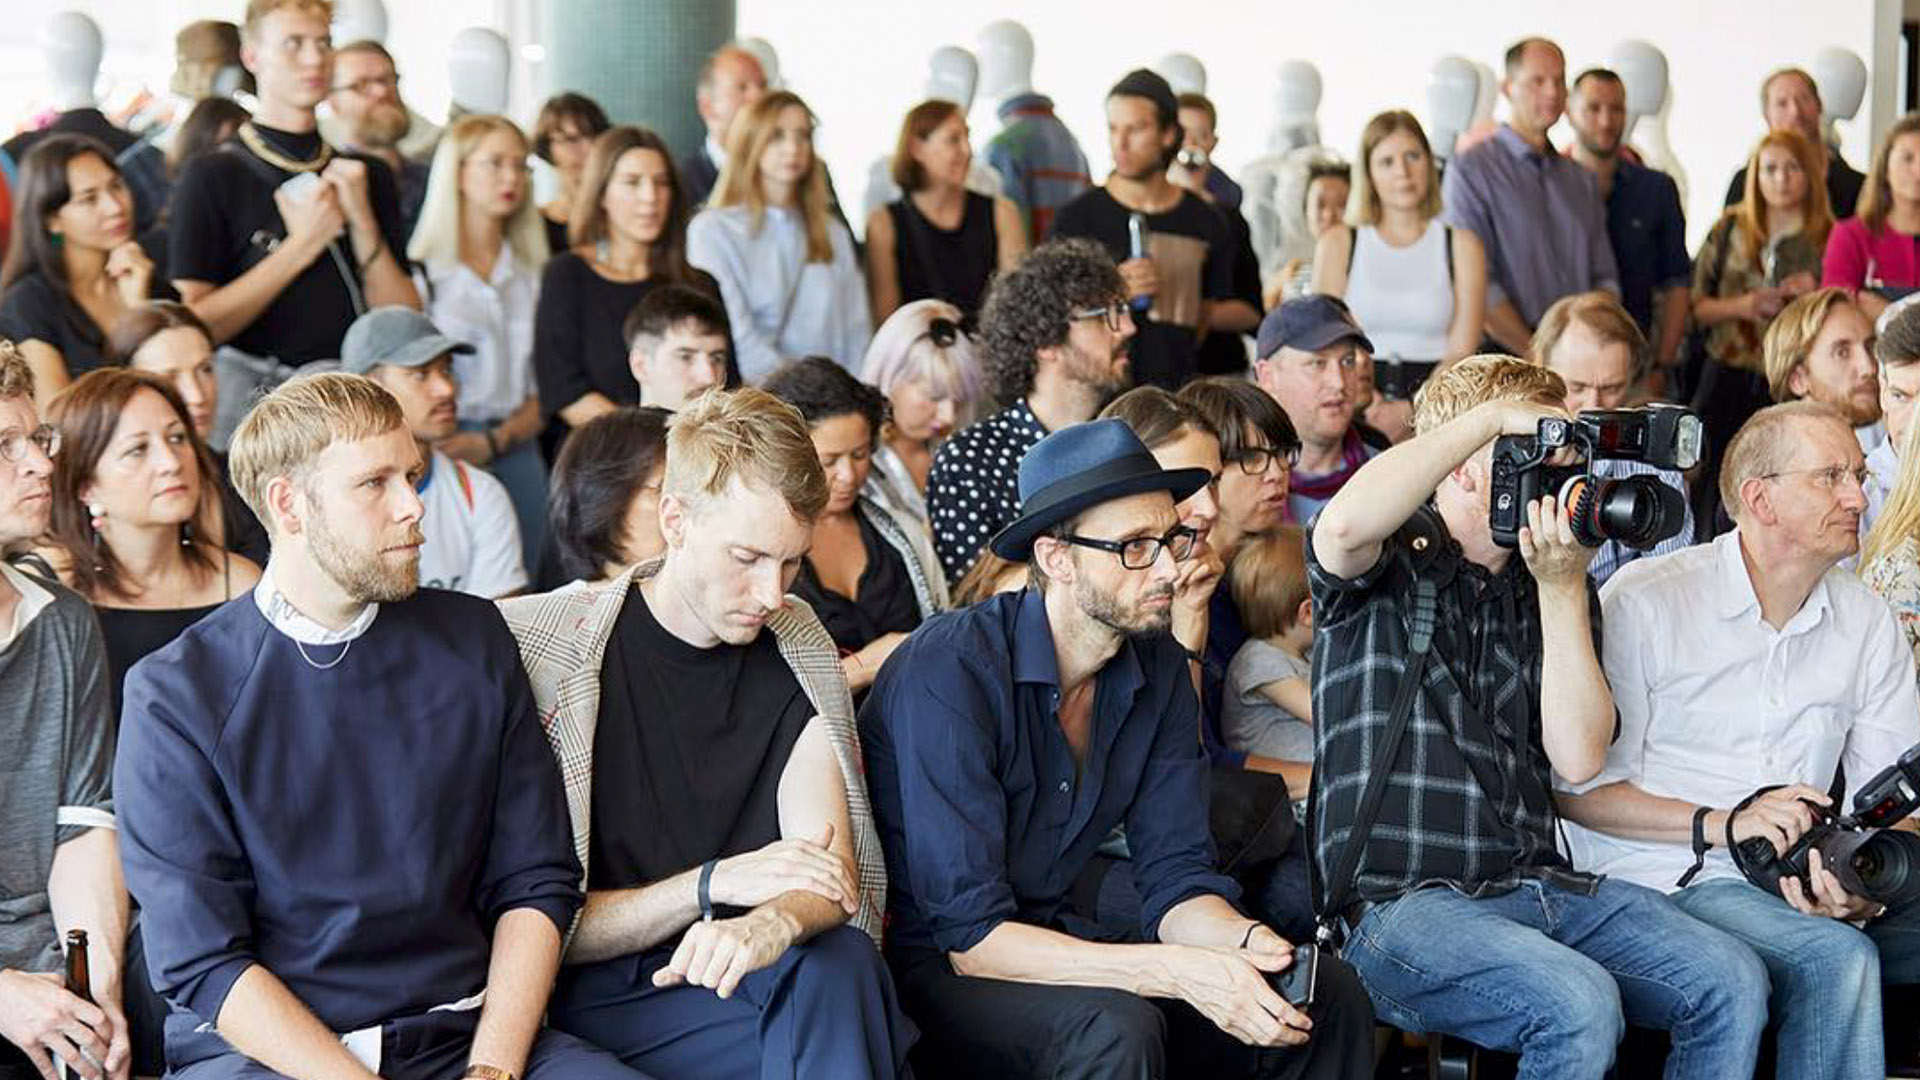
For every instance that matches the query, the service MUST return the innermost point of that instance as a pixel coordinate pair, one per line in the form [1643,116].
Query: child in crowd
[1268,705]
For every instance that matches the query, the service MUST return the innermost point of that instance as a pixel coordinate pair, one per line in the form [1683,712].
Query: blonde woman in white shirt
[786,267]
[1418,287]
[479,246]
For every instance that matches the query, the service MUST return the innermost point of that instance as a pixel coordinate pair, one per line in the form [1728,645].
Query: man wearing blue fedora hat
[1005,742]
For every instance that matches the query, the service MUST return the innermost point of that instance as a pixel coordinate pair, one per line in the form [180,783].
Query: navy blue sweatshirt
[357,831]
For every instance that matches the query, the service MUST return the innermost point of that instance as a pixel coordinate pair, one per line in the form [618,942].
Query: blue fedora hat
[1078,468]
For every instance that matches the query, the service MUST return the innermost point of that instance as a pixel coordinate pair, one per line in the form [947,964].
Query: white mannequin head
[72,45]
[762,50]
[1453,92]
[1489,93]
[1643,70]
[1184,72]
[1006,60]
[359,20]
[1842,79]
[1296,100]
[478,63]
[952,75]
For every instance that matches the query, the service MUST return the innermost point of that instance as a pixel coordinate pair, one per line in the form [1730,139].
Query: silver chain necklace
[329,665]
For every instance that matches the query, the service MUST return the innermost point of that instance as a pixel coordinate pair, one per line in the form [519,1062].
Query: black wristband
[1700,844]
[705,891]
[493,444]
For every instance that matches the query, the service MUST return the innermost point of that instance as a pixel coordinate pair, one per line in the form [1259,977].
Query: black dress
[578,344]
[938,264]
[132,633]
[886,603]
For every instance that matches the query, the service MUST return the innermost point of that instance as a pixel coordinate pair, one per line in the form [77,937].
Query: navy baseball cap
[1308,323]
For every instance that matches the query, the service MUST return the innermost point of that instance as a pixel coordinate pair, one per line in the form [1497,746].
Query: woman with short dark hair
[870,575]
[563,137]
[605,500]
[938,241]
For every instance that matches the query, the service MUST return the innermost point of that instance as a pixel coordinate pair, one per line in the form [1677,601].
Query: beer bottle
[79,982]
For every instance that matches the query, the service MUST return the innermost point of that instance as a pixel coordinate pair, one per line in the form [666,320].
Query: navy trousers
[826,1009]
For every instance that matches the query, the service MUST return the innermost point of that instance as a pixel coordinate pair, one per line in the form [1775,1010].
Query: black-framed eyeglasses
[1827,476]
[1256,460]
[1117,314]
[13,445]
[1142,552]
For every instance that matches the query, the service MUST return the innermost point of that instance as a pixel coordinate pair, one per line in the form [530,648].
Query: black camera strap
[1421,619]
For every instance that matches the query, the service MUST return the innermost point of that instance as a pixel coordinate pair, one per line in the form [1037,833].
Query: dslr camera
[1638,511]
[1867,859]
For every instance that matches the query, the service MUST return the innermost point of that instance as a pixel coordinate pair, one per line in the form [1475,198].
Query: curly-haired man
[1055,330]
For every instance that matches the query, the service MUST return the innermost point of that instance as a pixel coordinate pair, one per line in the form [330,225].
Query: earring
[95,515]
[186,534]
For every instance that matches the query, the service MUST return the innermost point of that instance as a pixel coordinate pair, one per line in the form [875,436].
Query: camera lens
[1880,864]
[1638,511]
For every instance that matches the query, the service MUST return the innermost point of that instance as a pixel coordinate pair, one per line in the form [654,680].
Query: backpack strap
[466,482]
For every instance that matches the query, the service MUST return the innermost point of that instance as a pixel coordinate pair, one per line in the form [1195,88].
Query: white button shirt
[496,318]
[1714,703]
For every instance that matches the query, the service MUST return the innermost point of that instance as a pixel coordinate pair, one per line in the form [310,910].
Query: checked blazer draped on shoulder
[563,639]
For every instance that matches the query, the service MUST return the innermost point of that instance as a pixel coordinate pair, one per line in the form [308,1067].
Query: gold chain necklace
[262,149]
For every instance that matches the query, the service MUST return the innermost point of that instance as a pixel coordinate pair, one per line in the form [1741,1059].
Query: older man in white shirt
[1749,662]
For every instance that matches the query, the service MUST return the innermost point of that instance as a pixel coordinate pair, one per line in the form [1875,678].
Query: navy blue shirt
[357,831]
[974,789]
[1648,232]
[1225,635]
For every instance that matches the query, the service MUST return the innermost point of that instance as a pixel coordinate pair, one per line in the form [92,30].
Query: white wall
[864,67]
[139,45]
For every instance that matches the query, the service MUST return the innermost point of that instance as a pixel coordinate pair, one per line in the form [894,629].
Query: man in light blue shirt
[1539,214]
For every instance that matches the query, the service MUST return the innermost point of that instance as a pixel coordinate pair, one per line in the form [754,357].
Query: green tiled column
[637,58]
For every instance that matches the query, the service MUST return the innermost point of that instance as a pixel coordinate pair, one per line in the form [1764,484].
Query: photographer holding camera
[1449,678]
[1754,661]
[1596,348]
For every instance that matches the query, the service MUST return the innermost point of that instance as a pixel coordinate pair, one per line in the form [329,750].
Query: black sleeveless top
[886,605]
[132,633]
[935,264]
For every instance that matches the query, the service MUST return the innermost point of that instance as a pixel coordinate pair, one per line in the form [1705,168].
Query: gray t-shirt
[55,773]
[1252,722]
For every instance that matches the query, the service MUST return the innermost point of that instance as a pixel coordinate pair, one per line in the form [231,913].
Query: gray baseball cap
[394,335]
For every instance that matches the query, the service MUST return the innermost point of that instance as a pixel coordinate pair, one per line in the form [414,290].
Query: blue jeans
[1556,976]
[1825,974]
[523,472]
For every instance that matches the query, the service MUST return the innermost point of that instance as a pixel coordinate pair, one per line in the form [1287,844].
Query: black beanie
[1142,83]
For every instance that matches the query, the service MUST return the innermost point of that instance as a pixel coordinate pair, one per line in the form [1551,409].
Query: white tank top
[1402,297]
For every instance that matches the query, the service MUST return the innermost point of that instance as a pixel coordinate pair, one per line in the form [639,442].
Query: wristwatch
[487,1072]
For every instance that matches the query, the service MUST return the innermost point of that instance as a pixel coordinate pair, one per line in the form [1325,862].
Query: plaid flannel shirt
[1467,804]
